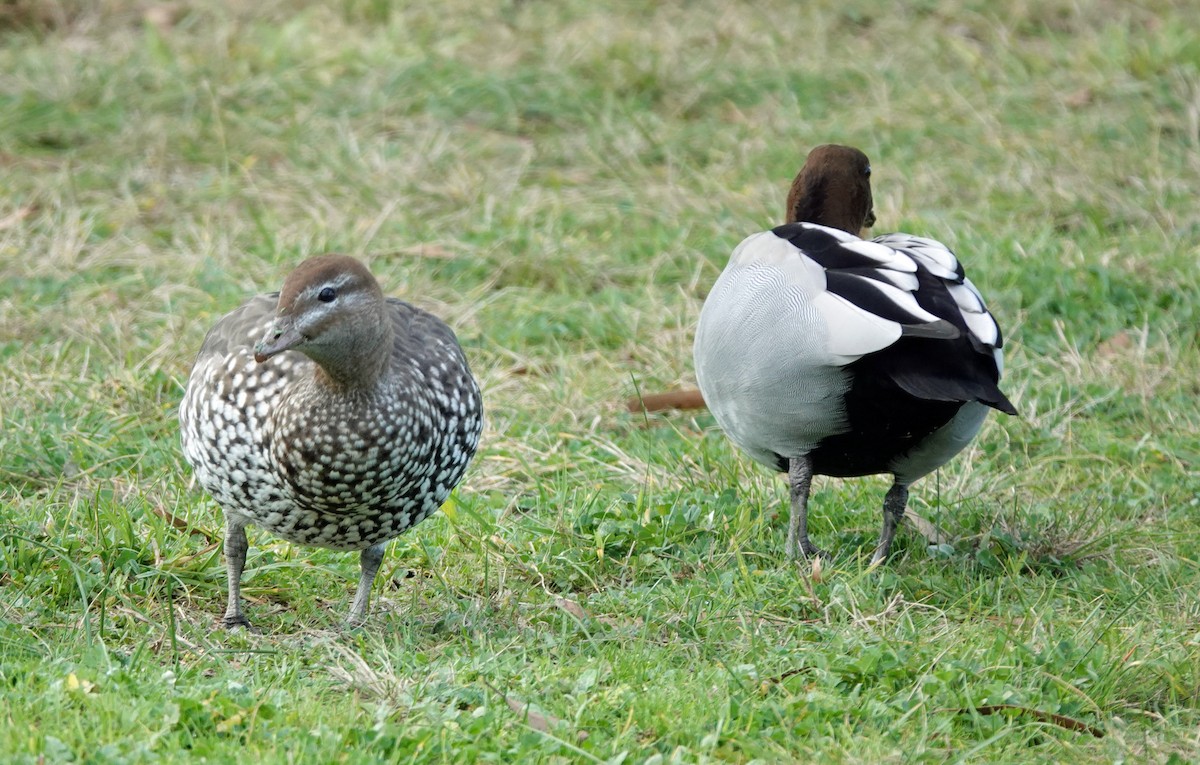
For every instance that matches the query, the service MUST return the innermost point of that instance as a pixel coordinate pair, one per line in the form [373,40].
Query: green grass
[563,182]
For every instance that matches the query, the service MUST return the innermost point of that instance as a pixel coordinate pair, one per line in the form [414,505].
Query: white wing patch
[885,256]
[853,332]
[979,321]
[935,256]
[873,301]
[941,262]
[904,281]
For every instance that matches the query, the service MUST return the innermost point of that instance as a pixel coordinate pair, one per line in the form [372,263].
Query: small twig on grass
[186,559]
[1062,721]
[684,398]
[767,683]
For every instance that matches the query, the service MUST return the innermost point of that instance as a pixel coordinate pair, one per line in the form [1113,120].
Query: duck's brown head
[332,310]
[833,189]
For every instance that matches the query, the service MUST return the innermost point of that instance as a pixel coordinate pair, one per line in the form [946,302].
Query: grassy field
[562,182]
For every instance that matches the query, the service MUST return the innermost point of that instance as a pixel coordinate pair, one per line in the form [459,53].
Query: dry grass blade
[207,549]
[428,250]
[361,675]
[16,216]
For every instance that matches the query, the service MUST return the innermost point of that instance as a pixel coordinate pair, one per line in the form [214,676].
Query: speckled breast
[370,468]
[342,474]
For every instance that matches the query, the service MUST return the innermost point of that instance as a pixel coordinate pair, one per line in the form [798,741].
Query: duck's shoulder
[868,277]
[417,324]
[425,338]
[836,250]
[240,328]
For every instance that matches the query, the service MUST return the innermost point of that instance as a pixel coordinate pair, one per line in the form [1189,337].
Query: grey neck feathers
[358,361]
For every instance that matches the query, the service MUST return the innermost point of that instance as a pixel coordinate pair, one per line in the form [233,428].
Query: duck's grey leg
[893,510]
[370,560]
[235,561]
[800,478]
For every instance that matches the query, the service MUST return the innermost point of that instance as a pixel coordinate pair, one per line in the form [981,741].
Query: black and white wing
[905,301]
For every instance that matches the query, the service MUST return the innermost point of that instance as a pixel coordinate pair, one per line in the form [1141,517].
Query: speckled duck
[329,415]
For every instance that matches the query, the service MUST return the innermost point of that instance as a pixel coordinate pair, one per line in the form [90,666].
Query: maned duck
[349,421]
[822,353]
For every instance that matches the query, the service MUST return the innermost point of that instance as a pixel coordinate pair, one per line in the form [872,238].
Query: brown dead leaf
[1079,98]
[533,718]
[1114,345]
[163,16]
[817,574]
[933,534]
[572,608]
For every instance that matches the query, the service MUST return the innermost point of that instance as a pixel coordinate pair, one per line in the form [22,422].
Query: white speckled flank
[347,453]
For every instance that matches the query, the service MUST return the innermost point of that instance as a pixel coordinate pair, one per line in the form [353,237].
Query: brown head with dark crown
[833,189]
[332,310]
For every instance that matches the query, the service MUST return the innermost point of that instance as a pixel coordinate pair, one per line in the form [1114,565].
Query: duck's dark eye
[327,295]
[867,171]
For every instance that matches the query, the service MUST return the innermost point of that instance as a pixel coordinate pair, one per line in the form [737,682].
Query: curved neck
[820,199]
[359,362]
